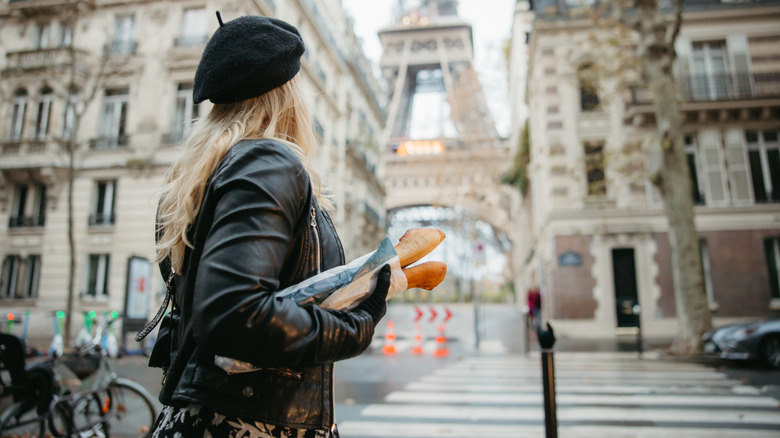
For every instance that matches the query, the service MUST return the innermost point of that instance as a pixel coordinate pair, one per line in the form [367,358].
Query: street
[496,390]
[599,394]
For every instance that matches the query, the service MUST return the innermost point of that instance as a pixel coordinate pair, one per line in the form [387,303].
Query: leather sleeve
[260,193]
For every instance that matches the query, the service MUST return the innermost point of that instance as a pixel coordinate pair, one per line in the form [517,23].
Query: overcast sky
[492,24]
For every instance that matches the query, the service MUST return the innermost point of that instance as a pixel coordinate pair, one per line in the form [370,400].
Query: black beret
[246,58]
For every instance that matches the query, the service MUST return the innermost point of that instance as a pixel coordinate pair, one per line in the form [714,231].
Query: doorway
[626,296]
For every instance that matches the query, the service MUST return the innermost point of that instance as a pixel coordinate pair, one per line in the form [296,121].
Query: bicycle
[77,395]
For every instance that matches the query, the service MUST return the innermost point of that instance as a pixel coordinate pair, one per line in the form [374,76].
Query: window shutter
[653,196]
[713,167]
[682,65]
[736,160]
[739,58]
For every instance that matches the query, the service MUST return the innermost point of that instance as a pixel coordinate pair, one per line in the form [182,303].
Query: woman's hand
[376,304]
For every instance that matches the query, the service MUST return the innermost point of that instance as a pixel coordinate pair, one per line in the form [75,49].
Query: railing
[109,142]
[101,219]
[704,88]
[23,60]
[26,221]
[120,47]
[190,40]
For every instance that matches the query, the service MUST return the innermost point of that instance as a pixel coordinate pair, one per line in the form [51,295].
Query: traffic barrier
[441,344]
[389,347]
[417,348]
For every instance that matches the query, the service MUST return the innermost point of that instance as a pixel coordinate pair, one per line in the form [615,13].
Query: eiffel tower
[429,48]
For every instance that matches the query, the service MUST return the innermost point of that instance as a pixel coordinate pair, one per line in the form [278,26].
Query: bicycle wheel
[21,419]
[132,410]
[80,415]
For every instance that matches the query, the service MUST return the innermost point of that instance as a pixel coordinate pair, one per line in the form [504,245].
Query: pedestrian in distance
[242,216]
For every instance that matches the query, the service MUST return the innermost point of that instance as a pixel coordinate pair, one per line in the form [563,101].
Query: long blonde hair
[281,114]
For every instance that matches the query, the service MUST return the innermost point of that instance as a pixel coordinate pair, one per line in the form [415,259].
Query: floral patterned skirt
[199,421]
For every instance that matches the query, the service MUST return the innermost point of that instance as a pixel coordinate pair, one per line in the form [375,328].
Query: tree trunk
[71,236]
[673,180]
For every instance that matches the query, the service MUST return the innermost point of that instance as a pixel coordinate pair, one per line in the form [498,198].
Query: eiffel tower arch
[429,49]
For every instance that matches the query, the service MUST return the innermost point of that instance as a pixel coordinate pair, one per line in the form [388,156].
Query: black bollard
[637,310]
[546,342]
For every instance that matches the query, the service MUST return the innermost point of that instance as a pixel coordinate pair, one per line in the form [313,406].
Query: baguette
[416,243]
[426,275]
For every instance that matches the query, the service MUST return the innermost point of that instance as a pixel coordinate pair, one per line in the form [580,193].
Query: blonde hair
[281,114]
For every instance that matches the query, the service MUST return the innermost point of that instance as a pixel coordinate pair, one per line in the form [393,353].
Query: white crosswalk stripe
[610,395]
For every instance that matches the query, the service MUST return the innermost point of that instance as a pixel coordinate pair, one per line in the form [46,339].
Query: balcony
[725,87]
[26,221]
[22,154]
[710,98]
[120,47]
[97,219]
[31,8]
[191,40]
[27,61]
[104,143]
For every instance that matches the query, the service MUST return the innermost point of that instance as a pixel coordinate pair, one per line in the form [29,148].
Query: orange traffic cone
[417,348]
[389,348]
[441,344]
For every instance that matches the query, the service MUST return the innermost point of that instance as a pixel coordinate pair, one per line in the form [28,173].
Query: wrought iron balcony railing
[190,40]
[109,142]
[101,219]
[26,221]
[703,88]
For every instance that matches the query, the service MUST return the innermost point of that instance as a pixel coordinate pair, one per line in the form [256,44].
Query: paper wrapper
[340,288]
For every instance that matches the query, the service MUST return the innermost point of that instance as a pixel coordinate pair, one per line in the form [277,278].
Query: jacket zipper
[285,372]
[316,238]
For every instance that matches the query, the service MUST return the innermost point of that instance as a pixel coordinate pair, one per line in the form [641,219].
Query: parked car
[757,341]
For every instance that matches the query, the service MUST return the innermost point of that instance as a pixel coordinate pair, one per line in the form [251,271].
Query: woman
[239,219]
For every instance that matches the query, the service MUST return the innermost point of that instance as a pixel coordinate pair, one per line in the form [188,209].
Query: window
[710,79]
[184,113]
[20,277]
[69,117]
[772,252]
[29,206]
[124,35]
[18,110]
[707,274]
[66,34]
[589,98]
[42,118]
[42,36]
[692,156]
[764,158]
[97,275]
[594,168]
[103,209]
[114,120]
[193,28]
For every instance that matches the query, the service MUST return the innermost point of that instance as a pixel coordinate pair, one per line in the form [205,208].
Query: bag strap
[160,312]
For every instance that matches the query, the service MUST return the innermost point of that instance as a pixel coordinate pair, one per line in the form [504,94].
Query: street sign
[433,314]
[418,312]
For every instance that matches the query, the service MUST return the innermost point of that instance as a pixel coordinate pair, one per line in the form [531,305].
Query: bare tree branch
[678,18]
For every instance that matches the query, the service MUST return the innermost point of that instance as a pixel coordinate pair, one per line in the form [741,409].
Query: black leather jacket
[254,235]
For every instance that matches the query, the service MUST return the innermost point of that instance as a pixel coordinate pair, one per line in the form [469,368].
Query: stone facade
[588,203]
[129,132]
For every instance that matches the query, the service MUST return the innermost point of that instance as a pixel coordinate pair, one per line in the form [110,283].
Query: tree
[91,75]
[656,31]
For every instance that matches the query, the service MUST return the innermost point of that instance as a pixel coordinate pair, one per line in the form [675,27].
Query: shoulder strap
[160,312]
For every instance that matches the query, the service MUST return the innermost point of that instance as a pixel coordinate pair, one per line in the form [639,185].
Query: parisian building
[128,66]
[592,235]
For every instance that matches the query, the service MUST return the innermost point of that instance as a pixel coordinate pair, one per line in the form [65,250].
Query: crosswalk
[597,395]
